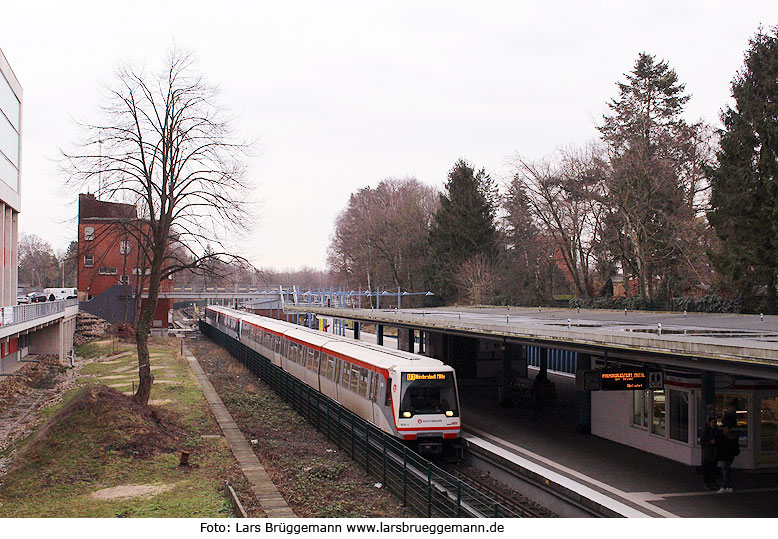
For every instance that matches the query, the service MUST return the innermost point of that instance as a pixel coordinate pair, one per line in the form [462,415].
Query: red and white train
[409,396]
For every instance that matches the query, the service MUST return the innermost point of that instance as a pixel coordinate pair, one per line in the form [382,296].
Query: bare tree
[563,194]
[165,146]
[475,278]
[380,238]
[38,265]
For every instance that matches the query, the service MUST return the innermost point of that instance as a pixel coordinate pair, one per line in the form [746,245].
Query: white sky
[344,94]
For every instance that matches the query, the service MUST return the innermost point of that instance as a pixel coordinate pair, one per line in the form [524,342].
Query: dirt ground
[314,478]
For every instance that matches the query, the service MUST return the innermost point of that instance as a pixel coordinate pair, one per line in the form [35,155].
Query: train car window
[278,344]
[428,393]
[313,365]
[388,398]
[345,372]
[316,361]
[354,382]
[373,386]
[330,367]
[363,382]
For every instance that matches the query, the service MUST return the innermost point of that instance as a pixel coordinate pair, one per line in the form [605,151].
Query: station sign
[622,380]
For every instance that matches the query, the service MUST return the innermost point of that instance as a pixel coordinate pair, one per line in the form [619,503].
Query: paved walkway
[269,498]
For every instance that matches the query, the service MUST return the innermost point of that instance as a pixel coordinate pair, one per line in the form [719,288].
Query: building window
[736,403]
[89,233]
[89,261]
[639,407]
[768,422]
[658,407]
[124,247]
[106,270]
[679,415]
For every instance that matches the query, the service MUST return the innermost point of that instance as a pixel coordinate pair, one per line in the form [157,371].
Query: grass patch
[98,438]
[314,478]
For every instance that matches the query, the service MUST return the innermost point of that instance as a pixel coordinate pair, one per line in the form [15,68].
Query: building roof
[90,207]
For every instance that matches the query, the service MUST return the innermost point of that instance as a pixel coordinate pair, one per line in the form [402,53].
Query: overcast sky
[344,94]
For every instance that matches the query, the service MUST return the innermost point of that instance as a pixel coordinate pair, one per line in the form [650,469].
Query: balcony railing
[25,313]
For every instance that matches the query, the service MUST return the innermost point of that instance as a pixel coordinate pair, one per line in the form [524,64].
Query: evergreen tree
[463,227]
[525,250]
[744,182]
[651,182]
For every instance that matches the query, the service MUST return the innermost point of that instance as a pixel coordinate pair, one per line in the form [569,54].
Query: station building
[39,328]
[700,366]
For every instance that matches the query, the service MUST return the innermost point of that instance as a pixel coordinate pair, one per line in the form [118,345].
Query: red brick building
[109,256]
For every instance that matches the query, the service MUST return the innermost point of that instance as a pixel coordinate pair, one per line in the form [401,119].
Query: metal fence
[24,313]
[422,486]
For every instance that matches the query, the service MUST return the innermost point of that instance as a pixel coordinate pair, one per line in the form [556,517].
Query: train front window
[428,393]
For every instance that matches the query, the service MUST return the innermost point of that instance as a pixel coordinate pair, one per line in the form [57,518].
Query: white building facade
[41,328]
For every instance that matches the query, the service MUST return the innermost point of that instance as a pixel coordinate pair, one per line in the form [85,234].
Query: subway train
[408,396]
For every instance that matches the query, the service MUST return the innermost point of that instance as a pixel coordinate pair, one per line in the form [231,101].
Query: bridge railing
[18,314]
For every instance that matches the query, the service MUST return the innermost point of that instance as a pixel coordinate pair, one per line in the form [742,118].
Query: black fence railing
[422,486]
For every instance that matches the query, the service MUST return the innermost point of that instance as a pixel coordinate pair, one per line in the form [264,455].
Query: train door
[375,380]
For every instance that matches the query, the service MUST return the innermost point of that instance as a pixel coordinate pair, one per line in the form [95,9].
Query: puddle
[725,333]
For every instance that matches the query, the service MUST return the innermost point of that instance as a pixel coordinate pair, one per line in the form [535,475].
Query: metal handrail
[19,314]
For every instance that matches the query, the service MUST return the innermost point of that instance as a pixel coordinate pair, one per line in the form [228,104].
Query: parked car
[22,300]
[37,297]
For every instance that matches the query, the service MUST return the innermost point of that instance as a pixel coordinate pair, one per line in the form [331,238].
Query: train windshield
[428,393]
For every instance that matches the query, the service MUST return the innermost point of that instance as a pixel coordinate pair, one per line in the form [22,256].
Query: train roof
[370,353]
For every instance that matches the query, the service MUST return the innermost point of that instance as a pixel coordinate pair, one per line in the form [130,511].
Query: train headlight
[449,413]
[407,414]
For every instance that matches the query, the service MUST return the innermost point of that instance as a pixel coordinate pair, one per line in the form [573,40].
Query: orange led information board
[622,380]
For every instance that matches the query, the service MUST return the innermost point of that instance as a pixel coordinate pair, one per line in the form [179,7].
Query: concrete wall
[56,339]
[612,419]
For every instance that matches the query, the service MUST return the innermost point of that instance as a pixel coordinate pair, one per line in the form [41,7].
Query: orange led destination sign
[412,376]
[622,380]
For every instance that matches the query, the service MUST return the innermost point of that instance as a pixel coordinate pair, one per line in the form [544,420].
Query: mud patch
[125,427]
[130,491]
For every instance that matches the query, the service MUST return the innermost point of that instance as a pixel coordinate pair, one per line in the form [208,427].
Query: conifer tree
[744,182]
[649,186]
[463,227]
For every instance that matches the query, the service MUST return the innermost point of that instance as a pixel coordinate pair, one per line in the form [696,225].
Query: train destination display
[622,380]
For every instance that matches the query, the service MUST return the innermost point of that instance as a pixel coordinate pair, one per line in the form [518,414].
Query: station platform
[649,484]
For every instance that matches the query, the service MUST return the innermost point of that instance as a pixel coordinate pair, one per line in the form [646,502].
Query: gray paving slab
[273,504]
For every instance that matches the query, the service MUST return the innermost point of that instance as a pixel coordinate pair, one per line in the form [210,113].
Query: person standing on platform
[708,443]
[727,448]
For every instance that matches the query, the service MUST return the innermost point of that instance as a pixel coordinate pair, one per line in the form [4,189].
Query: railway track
[508,498]
[561,495]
